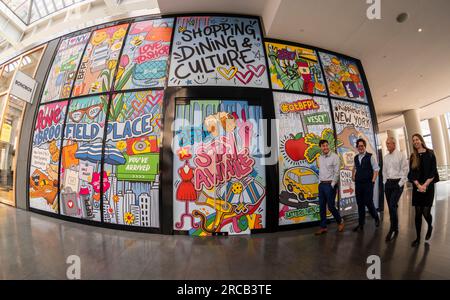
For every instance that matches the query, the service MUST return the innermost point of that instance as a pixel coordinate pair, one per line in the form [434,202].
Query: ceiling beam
[112,6]
[269,14]
[9,30]
[6,12]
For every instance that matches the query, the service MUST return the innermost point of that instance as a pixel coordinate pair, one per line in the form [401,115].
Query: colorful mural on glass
[353,121]
[80,177]
[343,77]
[220,182]
[295,69]
[132,159]
[99,62]
[45,156]
[218,51]
[143,63]
[303,122]
[64,67]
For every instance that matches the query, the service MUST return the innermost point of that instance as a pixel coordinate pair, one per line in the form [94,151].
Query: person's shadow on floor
[415,271]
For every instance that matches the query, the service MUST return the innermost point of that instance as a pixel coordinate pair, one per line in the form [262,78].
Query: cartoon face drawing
[223,119]
[99,37]
[119,34]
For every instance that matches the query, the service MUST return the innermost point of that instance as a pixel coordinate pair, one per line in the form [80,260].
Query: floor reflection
[36,247]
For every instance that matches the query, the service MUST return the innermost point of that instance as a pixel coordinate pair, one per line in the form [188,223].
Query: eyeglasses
[91,112]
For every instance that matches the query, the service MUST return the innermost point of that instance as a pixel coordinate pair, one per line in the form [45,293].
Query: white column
[382,136]
[446,137]
[393,133]
[412,124]
[438,140]
[405,142]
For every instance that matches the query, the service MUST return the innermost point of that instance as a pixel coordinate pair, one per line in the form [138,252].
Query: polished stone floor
[36,247]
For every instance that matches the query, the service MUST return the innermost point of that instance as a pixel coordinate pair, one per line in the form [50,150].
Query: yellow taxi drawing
[303,182]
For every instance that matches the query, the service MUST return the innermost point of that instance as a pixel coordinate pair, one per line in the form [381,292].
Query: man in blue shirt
[365,172]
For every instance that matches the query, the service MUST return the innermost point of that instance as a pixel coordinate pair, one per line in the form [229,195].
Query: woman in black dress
[423,175]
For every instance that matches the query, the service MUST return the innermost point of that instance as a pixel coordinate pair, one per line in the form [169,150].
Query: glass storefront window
[7,75]
[11,116]
[5,196]
[30,62]
[426,133]
[8,142]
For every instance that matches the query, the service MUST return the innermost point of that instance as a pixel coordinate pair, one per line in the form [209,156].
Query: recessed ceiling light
[402,17]
[419,30]
[395,90]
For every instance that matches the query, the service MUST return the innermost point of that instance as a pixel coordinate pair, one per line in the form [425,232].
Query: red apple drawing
[295,147]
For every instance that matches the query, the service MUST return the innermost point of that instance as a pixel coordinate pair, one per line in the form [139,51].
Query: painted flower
[116,198]
[119,72]
[112,64]
[124,61]
[128,218]
[121,145]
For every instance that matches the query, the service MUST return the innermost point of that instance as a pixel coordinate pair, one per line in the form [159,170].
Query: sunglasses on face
[91,112]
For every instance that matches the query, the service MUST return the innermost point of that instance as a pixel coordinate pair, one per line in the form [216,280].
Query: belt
[397,179]
[326,182]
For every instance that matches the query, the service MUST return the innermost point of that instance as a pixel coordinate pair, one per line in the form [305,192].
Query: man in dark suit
[365,172]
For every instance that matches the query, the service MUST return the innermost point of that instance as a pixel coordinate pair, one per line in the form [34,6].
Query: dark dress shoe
[357,228]
[392,234]
[429,232]
[415,243]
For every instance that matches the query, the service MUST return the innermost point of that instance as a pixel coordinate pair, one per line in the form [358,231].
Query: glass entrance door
[218,170]
[11,117]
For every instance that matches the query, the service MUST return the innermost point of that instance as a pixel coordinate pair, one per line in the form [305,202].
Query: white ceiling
[405,69]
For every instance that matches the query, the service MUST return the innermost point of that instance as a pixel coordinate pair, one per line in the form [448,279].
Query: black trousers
[364,198]
[393,193]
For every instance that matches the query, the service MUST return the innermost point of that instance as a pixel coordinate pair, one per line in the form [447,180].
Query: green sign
[303,212]
[322,118]
[139,167]
[69,64]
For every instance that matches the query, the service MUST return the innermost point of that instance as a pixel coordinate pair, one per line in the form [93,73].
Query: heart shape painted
[154,99]
[245,78]
[138,106]
[70,204]
[259,70]
[227,73]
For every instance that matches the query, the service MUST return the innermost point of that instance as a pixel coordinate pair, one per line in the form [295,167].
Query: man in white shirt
[328,163]
[395,173]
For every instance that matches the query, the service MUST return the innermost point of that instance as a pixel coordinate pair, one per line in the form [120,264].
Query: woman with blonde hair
[423,175]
